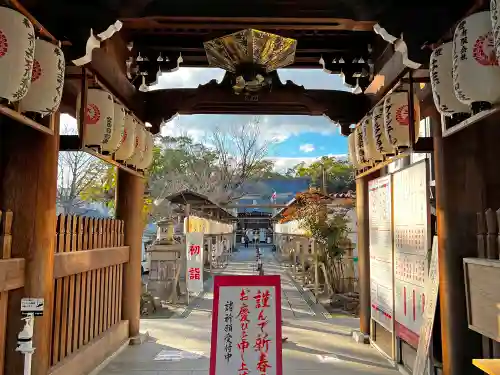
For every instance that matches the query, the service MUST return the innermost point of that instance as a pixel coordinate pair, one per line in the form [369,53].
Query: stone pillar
[28,188]
[129,204]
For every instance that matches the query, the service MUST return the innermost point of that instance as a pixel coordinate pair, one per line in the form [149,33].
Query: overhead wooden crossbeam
[340,106]
[265,23]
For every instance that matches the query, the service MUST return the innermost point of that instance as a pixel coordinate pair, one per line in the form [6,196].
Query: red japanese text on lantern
[194,250]
[194,273]
[244,320]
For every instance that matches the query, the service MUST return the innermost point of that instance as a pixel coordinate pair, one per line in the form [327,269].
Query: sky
[295,139]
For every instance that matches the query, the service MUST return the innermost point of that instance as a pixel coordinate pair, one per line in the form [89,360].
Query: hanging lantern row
[383,132]
[465,74]
[110,128]
[31,69]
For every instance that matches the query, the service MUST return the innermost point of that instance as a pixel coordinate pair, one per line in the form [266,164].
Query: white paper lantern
[382,143]
[140,142]
[440,66]
[397,119]
[352,150]
[117,131]
[371,151]
[127,144]
[47,80]
[148,152]
[359,147]
[17,51]
[476,74]
[99,117]
[495,24]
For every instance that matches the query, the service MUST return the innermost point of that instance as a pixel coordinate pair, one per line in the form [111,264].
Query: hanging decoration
[476,74]
[99,116]
[127,144]
[352,150]
[117,130]
[94,42]
[148,152]
[17,52]
[139,146]
[371,152]
[440,66]
[397,120]
[360,148]
[47,80]
[250,55]
[382,143]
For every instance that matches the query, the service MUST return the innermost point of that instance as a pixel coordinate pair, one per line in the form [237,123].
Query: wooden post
[460,194]
[363,254]
[129,204]
[28,187]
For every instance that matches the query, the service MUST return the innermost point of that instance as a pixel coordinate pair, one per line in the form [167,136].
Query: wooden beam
[386,77]
[85,360]
[274,23]
[11,274]
[212,98]
[72,263]
[489,366]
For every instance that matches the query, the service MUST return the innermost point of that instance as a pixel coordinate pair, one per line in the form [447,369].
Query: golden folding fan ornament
[250,47]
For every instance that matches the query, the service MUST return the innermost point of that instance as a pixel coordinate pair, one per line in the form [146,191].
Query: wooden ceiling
[331,29]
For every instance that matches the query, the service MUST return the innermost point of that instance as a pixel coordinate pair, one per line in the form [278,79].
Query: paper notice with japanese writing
[246,326]
[194,262]
[431,291]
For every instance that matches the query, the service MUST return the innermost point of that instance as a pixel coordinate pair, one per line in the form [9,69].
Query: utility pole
[323,174]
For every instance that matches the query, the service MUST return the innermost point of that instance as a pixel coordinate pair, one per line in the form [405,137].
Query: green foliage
[339,173]
[330,230]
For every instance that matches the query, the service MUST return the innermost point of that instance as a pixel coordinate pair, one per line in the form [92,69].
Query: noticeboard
[411,215]
[381,251]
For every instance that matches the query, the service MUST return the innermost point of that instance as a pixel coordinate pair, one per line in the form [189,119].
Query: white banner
[411,244]
[246,326]
[381,284]
[194,263]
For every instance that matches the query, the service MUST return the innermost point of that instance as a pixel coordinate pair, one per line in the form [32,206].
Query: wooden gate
[88,273]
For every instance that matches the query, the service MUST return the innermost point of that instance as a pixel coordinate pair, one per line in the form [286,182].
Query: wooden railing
[12,272]
[88,273]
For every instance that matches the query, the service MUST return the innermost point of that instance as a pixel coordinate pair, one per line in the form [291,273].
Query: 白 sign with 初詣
[194,262]
[246,326]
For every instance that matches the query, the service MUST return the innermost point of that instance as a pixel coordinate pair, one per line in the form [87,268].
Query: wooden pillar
[129,204]
[28,188]
[363,254]
[460,192]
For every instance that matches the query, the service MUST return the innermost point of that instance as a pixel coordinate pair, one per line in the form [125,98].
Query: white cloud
[307,147]
[281,164]
[272,128]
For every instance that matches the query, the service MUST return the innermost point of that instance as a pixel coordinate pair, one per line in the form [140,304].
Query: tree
[339,173]
[217,168]
[77,171]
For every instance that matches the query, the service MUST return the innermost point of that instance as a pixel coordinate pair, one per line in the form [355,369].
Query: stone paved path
[316,344]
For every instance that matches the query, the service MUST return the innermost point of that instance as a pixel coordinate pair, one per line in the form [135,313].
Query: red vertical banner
[246,326]
[404,300]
